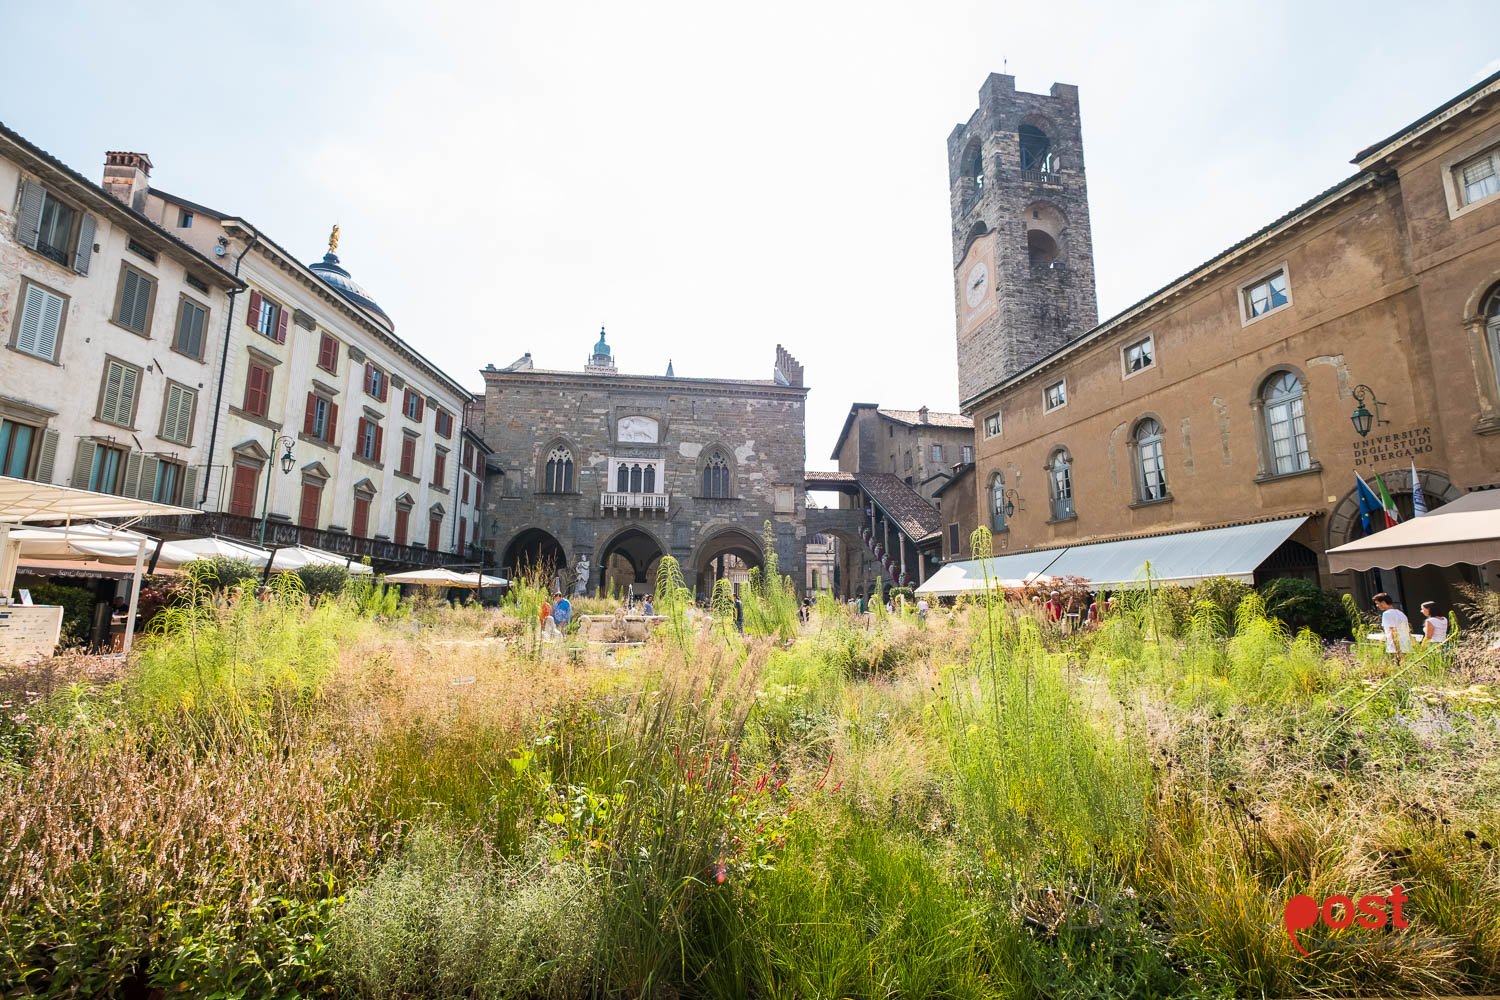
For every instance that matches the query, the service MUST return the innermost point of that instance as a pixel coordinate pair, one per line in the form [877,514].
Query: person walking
[1054,607]
[739,615]
[648,607]
[922,608]
[1434,625]
[562,610]
[1395,625]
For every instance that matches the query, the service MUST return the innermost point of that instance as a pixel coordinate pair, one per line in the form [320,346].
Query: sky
[710,180]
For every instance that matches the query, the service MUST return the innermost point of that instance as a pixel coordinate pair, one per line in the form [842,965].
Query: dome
[331,271]
[601,349]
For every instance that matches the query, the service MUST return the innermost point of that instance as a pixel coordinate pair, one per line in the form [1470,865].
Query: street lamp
[1011,496]
[1362,418]
[287,461]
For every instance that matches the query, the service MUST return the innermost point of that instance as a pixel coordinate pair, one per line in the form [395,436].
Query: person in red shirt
[1055,607]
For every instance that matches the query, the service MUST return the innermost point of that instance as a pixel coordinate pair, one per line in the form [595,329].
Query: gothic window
[716,476]
[1035,149]
[649,485]
[622,479]
[1151,464]
[635,479]
[559,473]
[1060,484]
[997,502]
[1285,426]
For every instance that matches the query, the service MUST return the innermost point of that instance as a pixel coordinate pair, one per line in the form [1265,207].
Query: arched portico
[628,561]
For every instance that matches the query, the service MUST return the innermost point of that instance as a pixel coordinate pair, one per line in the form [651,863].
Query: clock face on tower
[976,284]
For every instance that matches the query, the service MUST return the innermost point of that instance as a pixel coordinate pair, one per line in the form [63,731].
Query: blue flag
[1369,502]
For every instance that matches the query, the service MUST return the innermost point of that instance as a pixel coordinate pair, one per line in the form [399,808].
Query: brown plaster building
[918,447]
[1358,333]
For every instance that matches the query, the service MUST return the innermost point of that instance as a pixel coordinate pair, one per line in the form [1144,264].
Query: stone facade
[622,469]
[1380,295]
[1022,249]
[919,447]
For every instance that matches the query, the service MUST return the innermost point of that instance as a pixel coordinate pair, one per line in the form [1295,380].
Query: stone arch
[702,482]
[976,231]
[545,458]
[533,547]
[634,545]
[849,560]
[724,538]
[1343,520]
[1479,298]
[1036,146]
[1045,225]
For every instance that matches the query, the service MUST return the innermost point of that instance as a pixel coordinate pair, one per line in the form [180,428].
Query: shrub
[77,604]
[1225,594]
[323,581]
[225,573]
[1301,604]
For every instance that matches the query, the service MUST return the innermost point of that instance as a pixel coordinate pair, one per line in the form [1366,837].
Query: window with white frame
[1060,484]
[1266,294]
[937,453]
[992,424]
[997,502]
[1139,355]
[1150,459]
[1478,178]
[1286,427]
[636,476]
[1055,395]
[968,453]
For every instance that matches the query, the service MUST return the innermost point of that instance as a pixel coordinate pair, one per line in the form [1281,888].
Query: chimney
[922,415]
[125,177]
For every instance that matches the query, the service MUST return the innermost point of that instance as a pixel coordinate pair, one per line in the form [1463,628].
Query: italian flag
[1391,517]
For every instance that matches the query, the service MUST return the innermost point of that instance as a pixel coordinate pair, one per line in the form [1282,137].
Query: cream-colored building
[113,327]
[312,367]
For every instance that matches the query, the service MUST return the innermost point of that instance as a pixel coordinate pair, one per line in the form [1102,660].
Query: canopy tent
[1184,558]
[975,575]
[105,544]
[1464,531]
[443,577]
[25,502]
[299,556]
[214,547]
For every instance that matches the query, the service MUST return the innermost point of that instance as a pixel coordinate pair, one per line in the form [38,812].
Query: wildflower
[18,718]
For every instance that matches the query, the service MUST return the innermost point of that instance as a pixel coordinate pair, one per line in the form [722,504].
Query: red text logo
[1339,912]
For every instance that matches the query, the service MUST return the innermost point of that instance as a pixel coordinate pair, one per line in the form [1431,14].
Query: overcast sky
[709,180]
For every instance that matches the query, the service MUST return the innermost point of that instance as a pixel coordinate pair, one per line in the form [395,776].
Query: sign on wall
[1376,450]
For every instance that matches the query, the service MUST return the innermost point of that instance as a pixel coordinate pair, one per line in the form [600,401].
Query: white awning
[971,576]
[443,577]
[23,501]
[1183,558]
[212,547]
[299,556]
[1464,531]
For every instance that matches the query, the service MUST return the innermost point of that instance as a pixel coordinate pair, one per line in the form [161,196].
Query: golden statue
[333,239]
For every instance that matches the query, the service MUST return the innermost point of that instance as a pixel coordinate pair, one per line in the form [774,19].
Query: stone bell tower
[1023,256]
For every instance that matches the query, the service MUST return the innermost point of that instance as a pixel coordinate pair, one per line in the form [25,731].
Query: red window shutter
[408,454]
[463,528]
[385,385]
[330,432]
[361,517]
[242,492]
[252,315]
[476,531]
[312,495]
[438,462]
[258,390]
[328,353]
[309,418]
[402,519]
[281,327]
[464,495]
[434,529]
[421,406]
[379,437]
[369,378]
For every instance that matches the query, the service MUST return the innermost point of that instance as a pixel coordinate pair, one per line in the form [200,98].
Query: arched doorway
[729,553]
[534,553]
[628,562]
[1409,586]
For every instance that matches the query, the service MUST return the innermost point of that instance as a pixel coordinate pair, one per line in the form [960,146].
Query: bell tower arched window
[716,476]
[558,476]
[1036,149]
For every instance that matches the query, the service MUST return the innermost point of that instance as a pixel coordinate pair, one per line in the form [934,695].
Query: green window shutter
[177,421]
[190,486]
[190,330]
[132,475]
[48,458]
[109,405]
[83,465]
[52,314]
[147,489]
[29,218]
[129,383]
[31,319]
[85,251]
[135,300]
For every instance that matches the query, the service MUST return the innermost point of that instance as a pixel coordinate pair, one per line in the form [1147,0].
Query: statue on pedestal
[581,576]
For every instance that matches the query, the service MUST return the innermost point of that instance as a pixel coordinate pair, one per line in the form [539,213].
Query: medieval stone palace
[598,474]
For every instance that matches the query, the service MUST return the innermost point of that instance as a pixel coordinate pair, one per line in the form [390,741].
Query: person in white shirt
[1434,625]
[1395,625]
